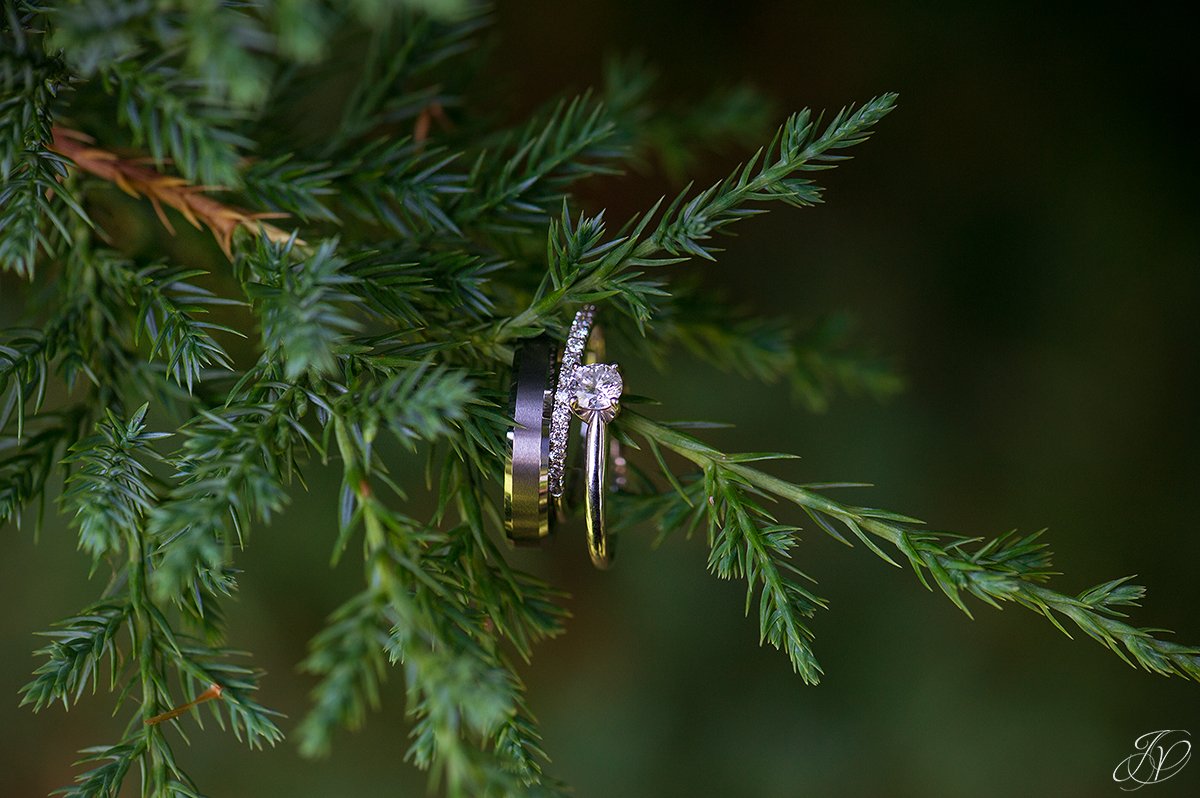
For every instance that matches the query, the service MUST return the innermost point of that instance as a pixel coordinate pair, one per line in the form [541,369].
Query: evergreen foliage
[411,243]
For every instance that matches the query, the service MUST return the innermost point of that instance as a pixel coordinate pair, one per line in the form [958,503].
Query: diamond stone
[597,386]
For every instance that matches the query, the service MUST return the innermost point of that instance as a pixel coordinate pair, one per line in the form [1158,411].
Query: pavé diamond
[560,418]
[597,386]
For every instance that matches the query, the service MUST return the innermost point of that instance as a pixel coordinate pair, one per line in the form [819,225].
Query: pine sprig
[232,470]
[571,141]
[348,657]
[168,308]
[301,301]
[460,692]
[35,210]
[587,267]
[80,649]
[36,204]
[169,311]
[29,82]
[110,765]
[108,491]
[171,115]
[288,185]
[402,186]
[801,145]
[25,359]
[110,496]
[1008,568]
[417,404]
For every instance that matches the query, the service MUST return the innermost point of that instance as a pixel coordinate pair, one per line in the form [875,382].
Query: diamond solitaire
[596,386]
[595,398]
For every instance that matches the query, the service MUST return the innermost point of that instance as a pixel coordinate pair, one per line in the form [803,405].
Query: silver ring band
[600,546]
[595,398]
[526,486]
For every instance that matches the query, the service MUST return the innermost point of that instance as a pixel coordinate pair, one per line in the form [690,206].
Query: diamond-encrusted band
[560,418]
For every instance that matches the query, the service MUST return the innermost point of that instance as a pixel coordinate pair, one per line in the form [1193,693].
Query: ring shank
[596,485]
[526,486]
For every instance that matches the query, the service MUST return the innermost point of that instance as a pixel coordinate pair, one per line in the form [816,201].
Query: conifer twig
[586,265]
[746,541]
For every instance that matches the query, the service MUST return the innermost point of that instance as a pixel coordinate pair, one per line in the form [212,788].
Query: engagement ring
[595,397]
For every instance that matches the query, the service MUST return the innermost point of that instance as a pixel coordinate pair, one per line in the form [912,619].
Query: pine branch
[167,313]
[415,288]
[80,649]
[799,146]
[456,683]
[30,84]
[95,331]
[111,764]
[168,309]
[33,204]
[401,186]
[110,496]
[25,359]
[585,267]
[419,609]
[1008,568]
[34,211]
[78,338]
[171,115]
[232,469]
[348,657]
[108,492]
[289,186]
[304,325]
[416,404]
[568,143]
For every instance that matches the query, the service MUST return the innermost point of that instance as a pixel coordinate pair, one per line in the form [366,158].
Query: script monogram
[1158,755]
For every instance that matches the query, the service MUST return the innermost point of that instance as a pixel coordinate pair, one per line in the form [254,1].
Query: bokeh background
[1021,236]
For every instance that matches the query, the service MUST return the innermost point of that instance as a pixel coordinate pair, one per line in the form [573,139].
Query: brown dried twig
[192,202]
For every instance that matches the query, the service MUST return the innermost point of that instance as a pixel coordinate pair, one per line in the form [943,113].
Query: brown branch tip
[191,201]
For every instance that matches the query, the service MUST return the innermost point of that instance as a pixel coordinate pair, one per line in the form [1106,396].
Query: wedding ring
[595,353]
[595,394]
[526,471]
[565,503]
[592,392]
[560,419]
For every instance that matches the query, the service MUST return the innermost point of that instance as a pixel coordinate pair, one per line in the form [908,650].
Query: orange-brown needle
[214,691]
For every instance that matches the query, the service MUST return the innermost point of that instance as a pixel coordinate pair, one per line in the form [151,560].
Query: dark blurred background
[1021,237]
